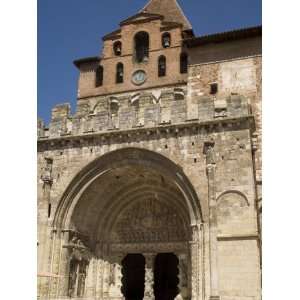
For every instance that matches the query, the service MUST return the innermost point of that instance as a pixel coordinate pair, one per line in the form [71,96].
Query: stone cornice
[192,125]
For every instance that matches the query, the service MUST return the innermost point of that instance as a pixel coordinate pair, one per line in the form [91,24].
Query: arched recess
[130,200]
[129,159]
[234,213]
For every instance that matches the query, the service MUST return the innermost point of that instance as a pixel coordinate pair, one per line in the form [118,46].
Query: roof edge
[80,61]
[235,34]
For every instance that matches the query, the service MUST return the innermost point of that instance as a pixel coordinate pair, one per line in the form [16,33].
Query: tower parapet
[143,110]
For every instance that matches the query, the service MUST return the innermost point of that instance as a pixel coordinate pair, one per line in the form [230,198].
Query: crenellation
[154,165]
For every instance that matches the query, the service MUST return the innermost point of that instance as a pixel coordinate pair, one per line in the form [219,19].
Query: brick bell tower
[145,52]
[150,190]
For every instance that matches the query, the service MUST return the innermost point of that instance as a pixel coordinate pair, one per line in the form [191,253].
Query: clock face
[139,77]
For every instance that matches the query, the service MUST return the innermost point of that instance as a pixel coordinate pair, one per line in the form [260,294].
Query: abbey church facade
[152,188]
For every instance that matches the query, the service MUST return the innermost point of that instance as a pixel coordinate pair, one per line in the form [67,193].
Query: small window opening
[49,210]
[166,40]
[166,146]
[141,47]
[99,76]
[117,48]
[162,66]
[213,88]
[183,63]
[120,73]
[193,144]
[195,160]
[114,108]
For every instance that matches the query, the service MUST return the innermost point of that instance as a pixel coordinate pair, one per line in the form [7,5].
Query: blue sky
[71,29]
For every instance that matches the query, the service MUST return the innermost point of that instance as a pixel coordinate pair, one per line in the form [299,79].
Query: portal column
[183,275]
[213,229]
[149,276]
[115,277]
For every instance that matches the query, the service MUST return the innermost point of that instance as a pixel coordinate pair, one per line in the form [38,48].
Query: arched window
[141,46]
[166,40]
[183,63]
[120,73]
[117,48]
[99,76]
[114,107]
[162,67]
[113,111]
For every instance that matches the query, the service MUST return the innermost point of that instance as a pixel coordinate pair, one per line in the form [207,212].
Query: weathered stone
[167,166]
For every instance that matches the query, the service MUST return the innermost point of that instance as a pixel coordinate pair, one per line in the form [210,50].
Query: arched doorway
[166,279]
[132,201]
[133,274]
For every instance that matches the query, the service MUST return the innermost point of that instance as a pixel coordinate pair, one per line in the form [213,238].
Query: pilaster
[213,226]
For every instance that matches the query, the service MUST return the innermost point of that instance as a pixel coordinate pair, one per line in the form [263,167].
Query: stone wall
[184,146]
[176,122]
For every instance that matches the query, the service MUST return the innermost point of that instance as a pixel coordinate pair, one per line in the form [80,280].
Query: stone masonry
[159,177]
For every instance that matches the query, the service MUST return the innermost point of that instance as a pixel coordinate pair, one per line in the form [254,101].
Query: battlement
[140,110]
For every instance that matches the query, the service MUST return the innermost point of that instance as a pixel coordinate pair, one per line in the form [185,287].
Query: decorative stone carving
[149,221]
[149,277]
[115,278]
[47,171]
[180,247]
[80,257]
[208,150]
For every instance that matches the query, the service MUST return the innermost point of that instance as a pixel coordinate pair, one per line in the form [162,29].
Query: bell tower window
[162,67]
[120,73]
[141,47]
[99,76]
[166,40]
[117,48]
[183,63]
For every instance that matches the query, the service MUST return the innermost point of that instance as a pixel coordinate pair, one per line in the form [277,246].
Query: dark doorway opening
[133,271]
[166,276]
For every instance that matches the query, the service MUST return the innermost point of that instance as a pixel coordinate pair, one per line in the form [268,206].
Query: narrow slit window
[49,210]
[162,68]
[99,76]
[183,63]
[213,88]
[120,73]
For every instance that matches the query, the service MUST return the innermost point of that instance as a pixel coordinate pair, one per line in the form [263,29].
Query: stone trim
[210,126]
[226,60]
[251,236]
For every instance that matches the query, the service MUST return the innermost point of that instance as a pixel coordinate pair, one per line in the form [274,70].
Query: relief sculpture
[149,221]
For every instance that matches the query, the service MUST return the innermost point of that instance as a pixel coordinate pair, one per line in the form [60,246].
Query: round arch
[122,158]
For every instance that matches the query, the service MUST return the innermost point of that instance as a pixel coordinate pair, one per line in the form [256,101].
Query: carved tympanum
[149,221]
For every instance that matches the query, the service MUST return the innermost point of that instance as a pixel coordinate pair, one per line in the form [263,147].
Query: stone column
[195,262]
[149,276]
[115,277]
[183,275]
[213,228]
[64,266]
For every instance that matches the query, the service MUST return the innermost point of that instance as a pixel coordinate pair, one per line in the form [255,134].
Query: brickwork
[109,61]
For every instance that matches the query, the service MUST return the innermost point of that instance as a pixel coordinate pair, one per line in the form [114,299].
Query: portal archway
[126,202]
